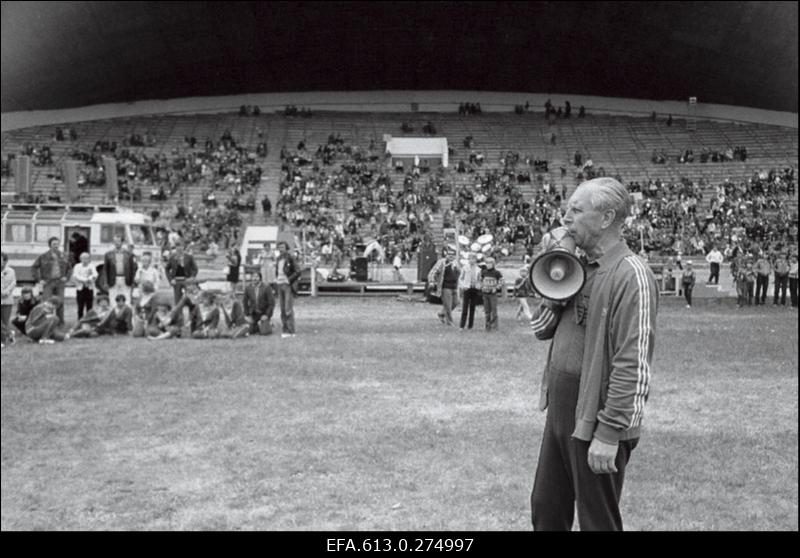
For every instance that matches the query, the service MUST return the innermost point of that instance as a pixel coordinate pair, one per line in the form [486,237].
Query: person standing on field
[51,271]
[597,377]
[9,283]
[714,259]
[287,273]
[491,284]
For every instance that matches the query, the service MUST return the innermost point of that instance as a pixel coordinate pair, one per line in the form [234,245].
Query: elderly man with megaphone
[599,310]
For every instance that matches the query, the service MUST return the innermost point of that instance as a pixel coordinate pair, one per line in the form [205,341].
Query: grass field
[376,416]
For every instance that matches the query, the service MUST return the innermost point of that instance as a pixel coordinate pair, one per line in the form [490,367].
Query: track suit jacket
[620,335]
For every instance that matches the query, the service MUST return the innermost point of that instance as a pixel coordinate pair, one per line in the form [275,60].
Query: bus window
[46,232]
[16,232]
[142,235]
[108,232]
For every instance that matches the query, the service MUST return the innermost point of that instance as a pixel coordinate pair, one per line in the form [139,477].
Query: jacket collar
[613,256]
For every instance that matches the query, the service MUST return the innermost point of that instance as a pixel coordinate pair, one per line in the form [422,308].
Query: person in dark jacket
[88,324]
[119,269]
[234,263]
[287,272]
[258,305]
[119,320]
[688,280]
[205,317]
[51,272]
[491,284]
[27,302]
[181,268]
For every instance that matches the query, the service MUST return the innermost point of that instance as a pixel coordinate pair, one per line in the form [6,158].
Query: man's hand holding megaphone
[557,273]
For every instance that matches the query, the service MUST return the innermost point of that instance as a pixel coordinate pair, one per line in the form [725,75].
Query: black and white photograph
[401,276]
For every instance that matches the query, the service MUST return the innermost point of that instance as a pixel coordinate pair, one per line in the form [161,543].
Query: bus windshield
[141,235]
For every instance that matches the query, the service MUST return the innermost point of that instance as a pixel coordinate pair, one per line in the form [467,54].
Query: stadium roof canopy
[71,54]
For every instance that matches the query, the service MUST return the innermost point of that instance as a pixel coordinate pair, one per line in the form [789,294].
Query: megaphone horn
[557,273]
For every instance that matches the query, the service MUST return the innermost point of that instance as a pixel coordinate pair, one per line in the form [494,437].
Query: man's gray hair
[608,193]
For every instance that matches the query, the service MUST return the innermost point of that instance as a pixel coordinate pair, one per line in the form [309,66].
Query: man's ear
[608,218]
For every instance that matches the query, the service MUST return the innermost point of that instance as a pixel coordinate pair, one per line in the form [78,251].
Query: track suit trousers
[563,476]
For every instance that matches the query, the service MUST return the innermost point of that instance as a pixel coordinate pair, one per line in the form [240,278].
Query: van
[26,229]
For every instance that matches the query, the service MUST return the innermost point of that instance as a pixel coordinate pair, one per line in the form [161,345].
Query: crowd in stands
[428,128]
[204,230]
[248,110]
[469,108]
[493,204]
[375,209]
[746,221]
[552,112]
[58,135]
[227,174]
[292,110]
[343,196]
[41,155]
[739,153]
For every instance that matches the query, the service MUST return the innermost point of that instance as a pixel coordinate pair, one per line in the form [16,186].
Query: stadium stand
[209,172]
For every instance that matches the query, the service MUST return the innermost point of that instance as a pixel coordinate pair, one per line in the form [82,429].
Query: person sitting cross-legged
[43,322]
[88,325]
[119,320]
[205,317]
[165,323]
[27,302]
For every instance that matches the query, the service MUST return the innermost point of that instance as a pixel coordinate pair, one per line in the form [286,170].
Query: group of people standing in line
[154,314]
[751,277]
[471,283]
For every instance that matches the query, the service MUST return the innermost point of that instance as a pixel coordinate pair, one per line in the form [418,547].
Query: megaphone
[557,273]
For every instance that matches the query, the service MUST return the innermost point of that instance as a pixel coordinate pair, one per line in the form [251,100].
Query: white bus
[81,228]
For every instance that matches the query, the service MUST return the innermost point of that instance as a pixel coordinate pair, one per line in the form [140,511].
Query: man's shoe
[285,335]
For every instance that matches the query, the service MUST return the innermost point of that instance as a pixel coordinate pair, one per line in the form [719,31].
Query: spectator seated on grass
[204,316]
[119,320]
[165,323]
[25,305]
[233,324]
[42,324]
[91,324]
